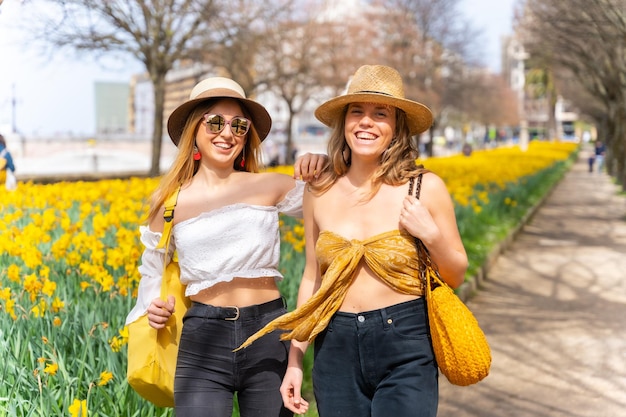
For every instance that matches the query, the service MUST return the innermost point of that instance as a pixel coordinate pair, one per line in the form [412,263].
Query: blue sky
[494,18]
[57,96]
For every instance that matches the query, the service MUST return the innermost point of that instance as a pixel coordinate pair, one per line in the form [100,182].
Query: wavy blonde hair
[397,163]
[185,167]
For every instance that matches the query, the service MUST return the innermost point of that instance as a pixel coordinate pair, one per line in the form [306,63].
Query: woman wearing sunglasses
[226,237]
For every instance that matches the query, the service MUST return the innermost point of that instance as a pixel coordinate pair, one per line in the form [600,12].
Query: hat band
[374,92]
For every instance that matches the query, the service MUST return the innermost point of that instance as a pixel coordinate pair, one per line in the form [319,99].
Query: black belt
[234,313]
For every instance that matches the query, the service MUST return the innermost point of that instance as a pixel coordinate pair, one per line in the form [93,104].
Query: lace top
[392,256]
[238,240]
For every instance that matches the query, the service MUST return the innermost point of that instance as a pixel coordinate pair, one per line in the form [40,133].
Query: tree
[244,29]
[589,107]
[288,64]
[159,33]
[431,44]
[486,98]
[310,56]
[588,39]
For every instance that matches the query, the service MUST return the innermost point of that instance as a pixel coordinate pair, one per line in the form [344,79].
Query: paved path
[554,311]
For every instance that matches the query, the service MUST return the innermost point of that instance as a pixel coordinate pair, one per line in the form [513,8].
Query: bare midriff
[368,292]
[239,292]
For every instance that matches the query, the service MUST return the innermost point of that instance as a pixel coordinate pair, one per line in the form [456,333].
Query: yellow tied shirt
[391,255]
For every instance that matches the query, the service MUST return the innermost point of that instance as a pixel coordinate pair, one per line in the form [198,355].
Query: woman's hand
[417,220]
[308,166]
[290,390]
[433,222]
[160,311]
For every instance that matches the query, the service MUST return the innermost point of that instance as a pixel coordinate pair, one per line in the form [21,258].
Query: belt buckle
[236,314]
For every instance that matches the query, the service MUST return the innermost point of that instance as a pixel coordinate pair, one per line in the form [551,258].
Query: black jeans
[377,364]
[209,373]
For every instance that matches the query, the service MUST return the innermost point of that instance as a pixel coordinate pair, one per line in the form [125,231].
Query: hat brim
[419,117]
[261,119]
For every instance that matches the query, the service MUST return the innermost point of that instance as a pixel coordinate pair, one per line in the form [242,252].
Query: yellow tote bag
[152,353]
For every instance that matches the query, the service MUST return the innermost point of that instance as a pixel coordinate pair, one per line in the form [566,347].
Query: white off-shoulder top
[238,240]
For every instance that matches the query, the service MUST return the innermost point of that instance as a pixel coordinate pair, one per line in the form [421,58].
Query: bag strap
[418,187]
[164,242]
[429,273]
[416,182]
[168,217]
[166,236]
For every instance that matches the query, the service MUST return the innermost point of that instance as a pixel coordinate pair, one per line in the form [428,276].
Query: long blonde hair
[185,167]
[397,163]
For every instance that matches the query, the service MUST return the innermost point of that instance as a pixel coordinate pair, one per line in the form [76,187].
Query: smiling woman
[360,301]
[225,230]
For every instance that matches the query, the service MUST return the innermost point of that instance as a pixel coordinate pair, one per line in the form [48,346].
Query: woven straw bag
[460,346]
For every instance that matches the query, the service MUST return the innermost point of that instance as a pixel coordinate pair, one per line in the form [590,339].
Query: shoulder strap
[422,251]
[417,185]
[168,216]
[3,153]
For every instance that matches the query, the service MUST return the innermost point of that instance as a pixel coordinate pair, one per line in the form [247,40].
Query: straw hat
[377,84]
[218,87]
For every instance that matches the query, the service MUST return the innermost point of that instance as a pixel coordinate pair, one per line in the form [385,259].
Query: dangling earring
[196,154]
[243,161]
[347,161]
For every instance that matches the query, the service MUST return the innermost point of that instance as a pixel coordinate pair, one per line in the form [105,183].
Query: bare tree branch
[588,38]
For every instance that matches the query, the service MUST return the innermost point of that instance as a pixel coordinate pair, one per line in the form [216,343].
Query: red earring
[243,161]
[196,154]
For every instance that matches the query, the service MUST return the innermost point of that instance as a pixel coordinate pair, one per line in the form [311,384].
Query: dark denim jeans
[377,364]
[209,373]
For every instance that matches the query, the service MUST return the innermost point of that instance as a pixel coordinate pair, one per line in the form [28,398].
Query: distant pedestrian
[599,155]
[7,167]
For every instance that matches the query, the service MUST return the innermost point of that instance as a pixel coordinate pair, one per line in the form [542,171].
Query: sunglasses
[215,123]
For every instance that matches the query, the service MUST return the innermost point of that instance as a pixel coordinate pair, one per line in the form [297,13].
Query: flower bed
[68,260]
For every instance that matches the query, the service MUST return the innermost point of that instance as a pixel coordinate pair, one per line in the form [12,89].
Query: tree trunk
[617,148]
[158,81]
[289,147]
[429,147]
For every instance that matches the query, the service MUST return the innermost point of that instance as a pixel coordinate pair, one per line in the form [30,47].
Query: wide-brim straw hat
[218,87]
[377,84]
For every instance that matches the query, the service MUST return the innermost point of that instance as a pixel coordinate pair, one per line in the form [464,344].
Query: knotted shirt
[391,255]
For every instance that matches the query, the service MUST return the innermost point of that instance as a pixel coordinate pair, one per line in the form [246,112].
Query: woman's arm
[310,283]
[432,220]
[289,192]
